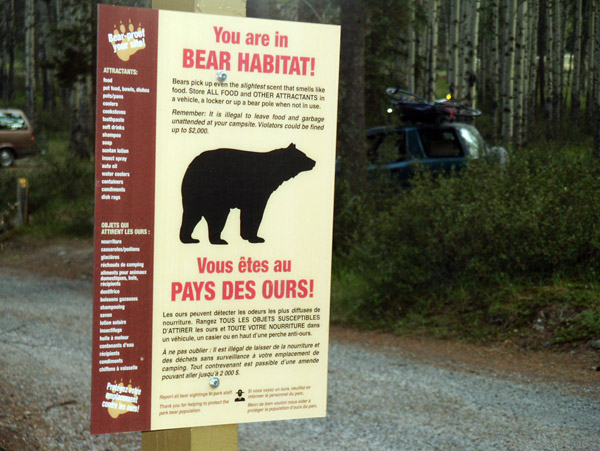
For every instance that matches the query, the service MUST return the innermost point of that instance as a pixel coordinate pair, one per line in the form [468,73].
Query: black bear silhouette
[219,180]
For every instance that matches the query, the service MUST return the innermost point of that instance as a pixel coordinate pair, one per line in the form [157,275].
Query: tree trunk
[557,63]
[3,54]
[520,66]
[11,41]
[63,15]
[541,53]
[30,81]
[412,47]
[91,78]
[258,8]
[463,27]
[433,49]
[351,130]
[421,57]
[510,24]
[533,47]
[591,61]
[596,44]
[49,94]
[495,68]
[79,100]
[453,67]
[472,54]
[550,61]
[577,60]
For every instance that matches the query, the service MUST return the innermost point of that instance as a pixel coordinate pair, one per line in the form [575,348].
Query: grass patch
[533,313]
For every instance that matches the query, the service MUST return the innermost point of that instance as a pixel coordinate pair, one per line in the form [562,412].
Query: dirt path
[577,368]
[385,392]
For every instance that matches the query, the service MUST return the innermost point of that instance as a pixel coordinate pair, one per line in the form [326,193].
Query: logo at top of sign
[127,41]
[219,180]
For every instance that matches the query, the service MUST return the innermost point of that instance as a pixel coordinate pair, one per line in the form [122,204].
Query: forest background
[511,254]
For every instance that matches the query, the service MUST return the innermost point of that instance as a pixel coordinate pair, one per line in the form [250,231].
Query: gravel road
[380,397]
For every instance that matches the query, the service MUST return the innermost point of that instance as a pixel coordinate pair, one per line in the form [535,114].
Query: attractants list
[122,267]
[120,270]
[114,152]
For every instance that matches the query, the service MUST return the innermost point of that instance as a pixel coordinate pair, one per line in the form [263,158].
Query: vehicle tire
[7,158]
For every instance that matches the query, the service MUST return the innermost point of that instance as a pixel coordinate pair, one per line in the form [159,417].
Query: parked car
[428,137]
[442,148]
[17,139]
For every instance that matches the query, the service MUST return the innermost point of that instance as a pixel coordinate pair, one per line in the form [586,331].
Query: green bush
[538,218]
[61,194]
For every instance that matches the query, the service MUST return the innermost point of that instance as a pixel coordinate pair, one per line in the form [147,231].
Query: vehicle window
[12,121]
[439,143]
[390,148]
[473,141]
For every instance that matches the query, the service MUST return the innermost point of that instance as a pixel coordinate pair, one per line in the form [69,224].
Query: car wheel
[7,158]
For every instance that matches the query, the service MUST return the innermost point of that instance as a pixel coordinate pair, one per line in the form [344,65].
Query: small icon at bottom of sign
[240,398]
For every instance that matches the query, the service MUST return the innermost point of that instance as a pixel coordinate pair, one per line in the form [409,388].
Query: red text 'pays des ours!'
[242,289]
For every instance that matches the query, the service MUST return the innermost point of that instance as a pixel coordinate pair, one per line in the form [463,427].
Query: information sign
[215,162]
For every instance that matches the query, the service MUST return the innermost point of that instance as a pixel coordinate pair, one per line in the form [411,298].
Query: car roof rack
[415,109]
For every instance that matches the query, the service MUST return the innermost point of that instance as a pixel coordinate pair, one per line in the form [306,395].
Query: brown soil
[576,369]
[61,258]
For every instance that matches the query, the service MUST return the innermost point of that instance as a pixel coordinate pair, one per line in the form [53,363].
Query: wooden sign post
[192,439]
[22,202]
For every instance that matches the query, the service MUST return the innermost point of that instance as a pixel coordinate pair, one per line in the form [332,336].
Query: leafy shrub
[583,326]
[537,218]
[61,196]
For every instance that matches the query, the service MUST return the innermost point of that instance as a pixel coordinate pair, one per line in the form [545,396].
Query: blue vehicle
[429,137]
